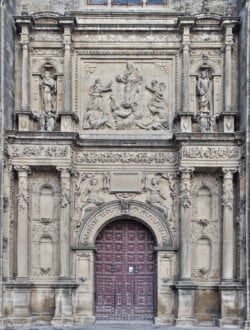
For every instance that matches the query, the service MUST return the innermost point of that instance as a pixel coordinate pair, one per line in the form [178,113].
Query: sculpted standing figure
[203,91]
[131,78]
[48,91]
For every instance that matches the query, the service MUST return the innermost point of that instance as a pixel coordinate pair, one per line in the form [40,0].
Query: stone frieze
[160,158]
[40,151]
[211,152]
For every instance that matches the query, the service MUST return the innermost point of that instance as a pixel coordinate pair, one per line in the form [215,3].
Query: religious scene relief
[120,103]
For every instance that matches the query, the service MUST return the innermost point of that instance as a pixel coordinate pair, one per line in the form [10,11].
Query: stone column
[24,113]
[185,286]
[186,214]
[228,114]
[229,287]
[186,113]
[65,223]
[67,114]
[21,292]
[22,222]
[228,226]
[25,72]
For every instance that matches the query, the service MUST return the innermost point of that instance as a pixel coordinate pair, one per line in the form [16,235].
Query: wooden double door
[125,272]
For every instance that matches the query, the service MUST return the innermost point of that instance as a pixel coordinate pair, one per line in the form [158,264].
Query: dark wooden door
[125,272]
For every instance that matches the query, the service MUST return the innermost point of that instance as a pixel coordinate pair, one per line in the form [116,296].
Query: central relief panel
[131,94]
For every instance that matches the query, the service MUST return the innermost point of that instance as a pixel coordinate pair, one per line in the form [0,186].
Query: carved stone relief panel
[206,227]
[126,95]
[44,233]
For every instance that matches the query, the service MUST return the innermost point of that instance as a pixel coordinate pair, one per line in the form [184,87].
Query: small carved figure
[132,79]
[47,121]
[91,196]
[156,197]
[185,197]
[203,90]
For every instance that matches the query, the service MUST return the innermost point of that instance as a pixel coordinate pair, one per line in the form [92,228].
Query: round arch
[135,210]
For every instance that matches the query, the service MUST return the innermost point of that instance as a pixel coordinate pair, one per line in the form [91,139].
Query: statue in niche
[91,196]
[205,117]
[96,117]
[156,197]
[157,107]
[47,118]
[203,91]
[132,80]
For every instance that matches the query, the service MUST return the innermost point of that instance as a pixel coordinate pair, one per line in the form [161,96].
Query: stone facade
[136,112]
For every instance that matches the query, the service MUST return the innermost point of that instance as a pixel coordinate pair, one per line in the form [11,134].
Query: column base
[185,303]
[229,323]
[247,325]
[185,322]
[21,320]
[84,320]
[229,292]
[163,321]
[59,320]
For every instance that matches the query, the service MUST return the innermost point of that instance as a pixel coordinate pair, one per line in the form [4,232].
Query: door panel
[125,272]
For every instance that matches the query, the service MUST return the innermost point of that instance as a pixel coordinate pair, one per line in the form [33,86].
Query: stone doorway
[125,272]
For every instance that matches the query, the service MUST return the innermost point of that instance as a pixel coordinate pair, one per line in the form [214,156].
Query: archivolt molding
[95,221]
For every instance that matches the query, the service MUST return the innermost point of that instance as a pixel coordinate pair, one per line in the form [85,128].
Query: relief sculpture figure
[156,197]
[96,117]
[48,96]
[124,118]
[91,197]
[157,107]
[132,79]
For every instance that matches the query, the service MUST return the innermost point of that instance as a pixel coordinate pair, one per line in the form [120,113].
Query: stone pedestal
[63,303]
[21,303]
[185,315]
[67,121]
[229,305]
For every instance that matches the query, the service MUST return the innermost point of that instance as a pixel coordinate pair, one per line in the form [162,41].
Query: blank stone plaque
[121,182]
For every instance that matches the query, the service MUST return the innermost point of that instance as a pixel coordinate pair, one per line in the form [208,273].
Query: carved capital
[229,172]
[65,172]
[22,170]
[186,172]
